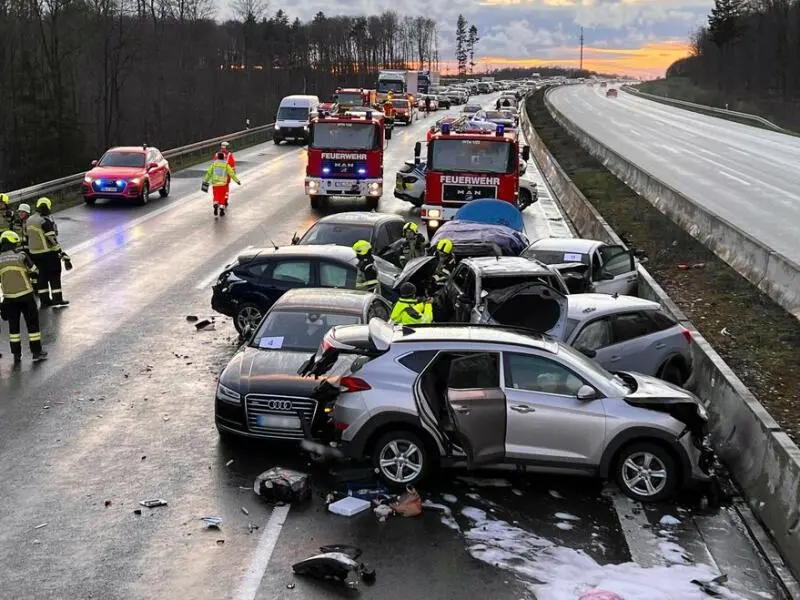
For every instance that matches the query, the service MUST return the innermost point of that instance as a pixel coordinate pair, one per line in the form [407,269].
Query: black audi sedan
[260,394]
[246,289]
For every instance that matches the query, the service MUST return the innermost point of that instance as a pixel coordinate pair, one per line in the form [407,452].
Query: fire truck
[468,165]
[352,97]
[345,156]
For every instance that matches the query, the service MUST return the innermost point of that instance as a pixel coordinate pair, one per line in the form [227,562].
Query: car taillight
[340,426]
[687,335]
[354,384]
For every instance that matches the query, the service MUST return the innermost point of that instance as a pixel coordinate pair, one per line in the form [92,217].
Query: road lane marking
[207,281]
[266,546]
[729,176]
[643,544]
[112,233]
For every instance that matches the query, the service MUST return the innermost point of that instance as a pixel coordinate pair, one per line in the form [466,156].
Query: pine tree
[724,21]
[461,45]
[472,40]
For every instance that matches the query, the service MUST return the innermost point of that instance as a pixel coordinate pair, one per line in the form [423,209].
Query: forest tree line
[79,76]
[749,49]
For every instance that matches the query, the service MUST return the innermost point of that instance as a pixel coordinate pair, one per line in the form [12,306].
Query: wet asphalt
[123,411]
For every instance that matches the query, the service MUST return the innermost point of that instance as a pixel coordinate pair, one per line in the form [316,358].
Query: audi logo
[279,404]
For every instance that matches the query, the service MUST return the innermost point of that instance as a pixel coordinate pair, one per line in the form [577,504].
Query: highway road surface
[746,175]
[123,412]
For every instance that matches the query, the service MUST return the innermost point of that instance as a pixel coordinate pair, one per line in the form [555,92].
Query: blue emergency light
[362,171]
[326,170]
[446,128]
[500,129]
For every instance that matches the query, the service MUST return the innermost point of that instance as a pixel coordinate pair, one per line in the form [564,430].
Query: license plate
[343,185]
[279,422]
[108,189]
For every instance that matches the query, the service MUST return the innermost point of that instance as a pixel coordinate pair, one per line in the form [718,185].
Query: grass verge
[756,337]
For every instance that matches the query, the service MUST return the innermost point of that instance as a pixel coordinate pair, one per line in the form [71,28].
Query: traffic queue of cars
[540,356]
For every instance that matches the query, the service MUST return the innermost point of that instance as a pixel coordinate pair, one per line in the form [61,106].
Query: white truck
[391,81]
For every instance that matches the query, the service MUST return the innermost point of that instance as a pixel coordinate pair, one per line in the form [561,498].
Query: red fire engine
[468,165]
[345,156]
[351,97]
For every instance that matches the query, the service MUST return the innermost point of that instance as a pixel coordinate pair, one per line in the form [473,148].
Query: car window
[533,373]
[417,361]
[381,238]
[338,234]
[594,336]
[378,310]
[336,276]
[395,230]
[616,260]
[298,330]
[662,319]
[474,371]
[460,276]
[293,271]
[252,270]
[630,326]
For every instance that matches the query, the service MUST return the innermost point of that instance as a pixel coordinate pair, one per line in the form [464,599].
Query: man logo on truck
[470,180]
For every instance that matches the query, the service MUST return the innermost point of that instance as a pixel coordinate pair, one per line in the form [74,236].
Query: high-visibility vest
[409,311]
[218,173]
[367,279]
[40,241]
[7,220]
[15,280]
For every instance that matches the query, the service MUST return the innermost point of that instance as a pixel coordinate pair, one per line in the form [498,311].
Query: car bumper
[357,188]
[290,133]
[128,192]
[241,421]
[702,458]
[403,119]
[222,303]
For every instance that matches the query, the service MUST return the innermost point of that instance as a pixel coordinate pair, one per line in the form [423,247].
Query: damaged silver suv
[494,396]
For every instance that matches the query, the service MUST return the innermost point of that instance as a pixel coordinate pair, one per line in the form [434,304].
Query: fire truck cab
[345,156]
[468,165]
[353,97]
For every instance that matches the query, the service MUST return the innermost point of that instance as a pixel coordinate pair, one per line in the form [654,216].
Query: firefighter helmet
[411,226]
[10,236]
[44,202]
[362,247]
[445,246]
[4,199]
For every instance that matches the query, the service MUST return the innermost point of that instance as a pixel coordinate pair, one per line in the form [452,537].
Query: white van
[294,114]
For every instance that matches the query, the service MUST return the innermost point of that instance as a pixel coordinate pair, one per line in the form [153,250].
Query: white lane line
[643,543]
[729,176]
[266,546]
[207,281]
[158,212]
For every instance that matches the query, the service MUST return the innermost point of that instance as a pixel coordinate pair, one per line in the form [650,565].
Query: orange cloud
[650,60]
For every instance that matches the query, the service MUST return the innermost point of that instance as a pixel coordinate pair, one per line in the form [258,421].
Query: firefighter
[7,216]
[224,148]
[427,105]
[23,212]
[412,245]
[446,261]
[47,254]
[409,310]
[218,174]
[367,274]
[17,277]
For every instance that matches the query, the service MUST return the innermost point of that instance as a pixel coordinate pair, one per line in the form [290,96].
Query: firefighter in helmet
[367,274]
[412,245]
[409,310]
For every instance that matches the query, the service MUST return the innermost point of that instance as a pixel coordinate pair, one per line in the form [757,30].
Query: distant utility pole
[581,48]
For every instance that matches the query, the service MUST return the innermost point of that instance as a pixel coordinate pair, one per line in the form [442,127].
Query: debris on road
[212,522]
[289,586]
[712,587]
[245,511]
[598,594]
[107,503]
[153,503]
[409,504]
[283,485]
[669,520]
[137,511]
[192,318]
[446,515]
[251,527]
[349,506]
[336,563]
[383,511]
[370,493]
[220,542]
[321,451]
[205,325]
[555,494]
[485,482]
[516,492]
[40,526]
[229,463]
[449,498]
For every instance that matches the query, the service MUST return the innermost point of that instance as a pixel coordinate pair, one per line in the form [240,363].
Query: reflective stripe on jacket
[409,311]
[15,274]
[7,220]
[42,234]
[218,173]
[367,279]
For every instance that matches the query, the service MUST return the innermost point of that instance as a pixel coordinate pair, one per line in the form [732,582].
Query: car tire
[90,201]
[398,475]
[652,457]
[164,191]
[317,202]
[247,312]
[144,197]
[277,141]
[673,372]
[524,198]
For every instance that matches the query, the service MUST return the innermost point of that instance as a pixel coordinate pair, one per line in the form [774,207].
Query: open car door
[618,274]
[535,306]
[478,414]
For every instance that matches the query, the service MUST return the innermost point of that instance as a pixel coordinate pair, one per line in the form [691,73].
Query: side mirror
[586,393]
[94,163]
[587,352]
[526,153]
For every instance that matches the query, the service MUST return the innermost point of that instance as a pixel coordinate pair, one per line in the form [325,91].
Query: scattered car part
[153,503]
[283,485]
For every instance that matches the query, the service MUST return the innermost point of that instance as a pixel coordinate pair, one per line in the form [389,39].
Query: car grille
[109,185]
[257,405]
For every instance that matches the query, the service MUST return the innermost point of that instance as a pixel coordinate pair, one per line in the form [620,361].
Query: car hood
[650,390]
[532,305]
[256,371]
[416,271]
[115,172]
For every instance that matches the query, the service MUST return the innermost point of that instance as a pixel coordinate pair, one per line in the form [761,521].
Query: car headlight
[277,127]
[88,179]
[702,412]
[226,394]
[434,213]
[374,185]
[135,181]
[313,184]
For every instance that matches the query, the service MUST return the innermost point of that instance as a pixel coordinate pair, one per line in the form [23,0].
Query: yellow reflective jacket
[410,311]
[42,234]
[16,271]
[218,173]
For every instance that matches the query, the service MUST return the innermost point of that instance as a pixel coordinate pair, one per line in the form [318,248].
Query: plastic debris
[409,504]
[365,492]
[40,526]
[712,587]
[107,503]
[192,318]
[555,494]
[283,485]
[229,463]
[251,527]
[205,325]
[383,511]
[289,586]
[220,542]
[516,492]
[245,511]
[450,498]
[336,563]
[137,511]
[349,506]
[153,503]
[669,520]
[212,522]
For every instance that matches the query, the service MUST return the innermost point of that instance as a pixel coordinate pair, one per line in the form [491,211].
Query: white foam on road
[260,561]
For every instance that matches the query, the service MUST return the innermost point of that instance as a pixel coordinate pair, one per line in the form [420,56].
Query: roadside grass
[756,337]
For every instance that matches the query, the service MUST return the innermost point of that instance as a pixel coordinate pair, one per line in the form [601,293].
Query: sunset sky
[633,37]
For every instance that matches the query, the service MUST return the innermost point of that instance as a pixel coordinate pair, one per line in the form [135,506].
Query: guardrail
[63,191]
[713,110]
[774,274]
[762,459]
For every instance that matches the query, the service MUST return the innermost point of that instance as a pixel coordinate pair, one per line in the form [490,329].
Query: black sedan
[259,394]
[246,289]
[345,229]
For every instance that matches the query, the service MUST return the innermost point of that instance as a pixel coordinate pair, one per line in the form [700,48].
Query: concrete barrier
[764,462]
[774,274]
